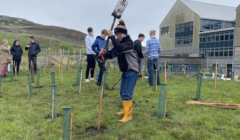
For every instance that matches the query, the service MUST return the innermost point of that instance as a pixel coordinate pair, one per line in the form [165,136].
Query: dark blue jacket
[98,45]
[34,49]
[16,51]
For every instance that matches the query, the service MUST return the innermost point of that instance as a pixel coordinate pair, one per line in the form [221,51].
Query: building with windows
[194,29]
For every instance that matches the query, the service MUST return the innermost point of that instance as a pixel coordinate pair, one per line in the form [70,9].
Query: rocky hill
[19,25]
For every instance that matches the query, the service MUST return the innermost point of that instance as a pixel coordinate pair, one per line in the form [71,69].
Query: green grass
[22,117]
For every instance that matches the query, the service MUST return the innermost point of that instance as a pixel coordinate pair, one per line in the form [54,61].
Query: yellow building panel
[172,31]
[238,17]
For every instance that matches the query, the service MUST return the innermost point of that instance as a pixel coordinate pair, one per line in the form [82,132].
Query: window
[217,37]
[211,25]
[230,52]
[213,39]
[208,38]
[221,37]
[225,51]
[165,31]
[184,36]
[231,36]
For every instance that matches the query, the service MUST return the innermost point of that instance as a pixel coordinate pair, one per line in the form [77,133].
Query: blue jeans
[128,83]
[152,65]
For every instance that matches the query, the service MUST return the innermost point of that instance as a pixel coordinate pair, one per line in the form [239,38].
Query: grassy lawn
[23,117]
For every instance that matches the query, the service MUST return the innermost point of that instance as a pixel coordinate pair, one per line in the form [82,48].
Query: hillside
[19,25]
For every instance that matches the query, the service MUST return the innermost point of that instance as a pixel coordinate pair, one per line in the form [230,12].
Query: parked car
[222,76]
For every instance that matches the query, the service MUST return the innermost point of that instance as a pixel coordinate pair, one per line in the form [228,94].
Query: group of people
[16,51]
[129,55]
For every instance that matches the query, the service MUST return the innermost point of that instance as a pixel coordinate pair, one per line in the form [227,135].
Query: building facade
[212,32]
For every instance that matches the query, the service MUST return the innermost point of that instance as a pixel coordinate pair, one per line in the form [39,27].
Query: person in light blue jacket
[96,47]
[153,49]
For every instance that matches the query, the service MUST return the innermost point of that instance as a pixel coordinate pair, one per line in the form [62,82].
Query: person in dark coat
[138,47]
[128,63]
[16,52]
[34,49]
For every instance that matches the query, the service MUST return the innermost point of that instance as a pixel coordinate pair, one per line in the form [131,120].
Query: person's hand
[28,46]
[102,52]
[94,53]
[107,61]
[110,33]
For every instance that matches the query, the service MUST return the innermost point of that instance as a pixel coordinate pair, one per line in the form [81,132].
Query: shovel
[115,83]
[117,14]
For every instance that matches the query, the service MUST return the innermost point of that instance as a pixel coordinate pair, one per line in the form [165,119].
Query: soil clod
[94,129]
[58,115]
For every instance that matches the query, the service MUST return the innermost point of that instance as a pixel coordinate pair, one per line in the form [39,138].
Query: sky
[140,16]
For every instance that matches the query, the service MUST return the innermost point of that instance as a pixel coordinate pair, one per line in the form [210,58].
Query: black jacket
[138,47]
[34,49]
[16,51]
[124,51]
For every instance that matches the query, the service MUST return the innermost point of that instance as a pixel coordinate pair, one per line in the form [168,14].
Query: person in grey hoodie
[128,63]
[89,40]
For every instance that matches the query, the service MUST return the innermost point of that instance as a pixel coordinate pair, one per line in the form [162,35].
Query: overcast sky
[140,15]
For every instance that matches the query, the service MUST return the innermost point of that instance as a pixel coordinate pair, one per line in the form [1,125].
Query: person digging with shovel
[128,63]
[96,47]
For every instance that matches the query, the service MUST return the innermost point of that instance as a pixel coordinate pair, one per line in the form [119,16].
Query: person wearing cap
[128,63]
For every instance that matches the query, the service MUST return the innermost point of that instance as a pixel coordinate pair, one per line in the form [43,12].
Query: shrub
[65,46]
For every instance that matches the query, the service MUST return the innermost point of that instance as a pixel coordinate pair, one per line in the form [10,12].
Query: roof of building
[212,11]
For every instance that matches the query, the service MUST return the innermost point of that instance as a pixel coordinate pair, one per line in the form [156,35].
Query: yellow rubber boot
[120,113]
[127,109]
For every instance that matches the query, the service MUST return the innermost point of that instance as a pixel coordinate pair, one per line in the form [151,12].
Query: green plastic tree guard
[38,78]
[80,83]
[198,71]
[169,71]
[114,65]
[11,73]
[29,84]
[161,100]
[107,67]
[32,73]
[77,79]
[104,83]
[154,81]
[232,76]
[53,78]
[161,69]
[53,88]
[66,123]
[67,63]
[199,86]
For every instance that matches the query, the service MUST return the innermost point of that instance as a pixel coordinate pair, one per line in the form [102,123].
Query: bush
[65,46]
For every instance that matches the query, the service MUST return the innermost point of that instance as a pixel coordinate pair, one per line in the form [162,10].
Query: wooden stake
[52,104]
[156,79]
[226,72]
[44,69]
[68,60]
[27,86]
[165,109]
[80,87]
[71,120]
[62,70]
[216,76]
[100,110]
[59,66]
[219,74]
[165,63]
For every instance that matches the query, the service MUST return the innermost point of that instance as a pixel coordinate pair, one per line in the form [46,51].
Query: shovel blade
[119,9]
